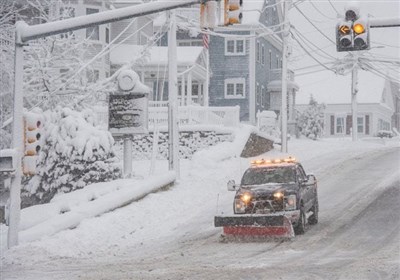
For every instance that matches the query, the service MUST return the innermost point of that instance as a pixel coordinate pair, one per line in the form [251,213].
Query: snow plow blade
[259,226]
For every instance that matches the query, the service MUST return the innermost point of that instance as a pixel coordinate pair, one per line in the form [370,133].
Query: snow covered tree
[311,121]
[7,17]
[74,153]
[52,62]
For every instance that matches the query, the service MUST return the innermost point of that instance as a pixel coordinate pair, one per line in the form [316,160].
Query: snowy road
[358,237]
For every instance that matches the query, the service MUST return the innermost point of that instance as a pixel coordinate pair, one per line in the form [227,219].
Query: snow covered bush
[75,153]
[311,121]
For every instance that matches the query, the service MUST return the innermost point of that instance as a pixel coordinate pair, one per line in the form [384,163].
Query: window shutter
[332,124]
[349,121]
[367,124]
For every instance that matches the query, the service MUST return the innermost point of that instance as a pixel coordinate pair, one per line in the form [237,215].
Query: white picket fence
[188,115]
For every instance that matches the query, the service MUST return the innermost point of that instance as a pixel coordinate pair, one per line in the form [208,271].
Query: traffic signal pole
[17,144]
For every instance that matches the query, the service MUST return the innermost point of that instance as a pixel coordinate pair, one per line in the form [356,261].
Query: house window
[263,55]
[93,76]
[92,32]
[184,44]
[63,74]
[234,47]
[258,94]
[360,125]
[277,61]
[262,96]
[340,125]
[107,35]
[258,52]
[270,59]
[234,88]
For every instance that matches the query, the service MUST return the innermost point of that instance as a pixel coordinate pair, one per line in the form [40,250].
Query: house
[245,59]
[375,107]
[394,89]
[152,69]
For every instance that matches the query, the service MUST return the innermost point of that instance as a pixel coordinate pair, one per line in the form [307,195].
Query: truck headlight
[240,206]
[290,202]
[278,195]
[246,197]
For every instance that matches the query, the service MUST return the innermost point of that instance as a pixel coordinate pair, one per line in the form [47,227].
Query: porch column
[290,94]
[142,76]
[189,89]
[183,90]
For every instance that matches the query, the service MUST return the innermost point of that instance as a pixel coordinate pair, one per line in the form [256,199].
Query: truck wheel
[301,223]
[313,219]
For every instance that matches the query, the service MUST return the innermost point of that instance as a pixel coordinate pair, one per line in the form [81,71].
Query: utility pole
[354,90]
[173,133]
[284,115]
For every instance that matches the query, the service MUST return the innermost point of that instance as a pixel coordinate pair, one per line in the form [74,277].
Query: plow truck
[275,199]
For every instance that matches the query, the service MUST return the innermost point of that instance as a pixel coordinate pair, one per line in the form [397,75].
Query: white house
[152,66]
[374,106]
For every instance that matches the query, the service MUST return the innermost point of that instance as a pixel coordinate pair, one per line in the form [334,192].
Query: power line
[319,11]
[323,34]
[333,7]
[317,47]
[319,62]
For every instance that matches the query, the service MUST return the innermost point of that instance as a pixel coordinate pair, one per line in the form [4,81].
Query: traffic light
[233,12]
[352,33]
[32,139]
[361,35]
[208,14]
[344,36]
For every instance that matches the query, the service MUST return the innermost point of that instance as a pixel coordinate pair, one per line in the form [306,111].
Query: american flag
[205,41]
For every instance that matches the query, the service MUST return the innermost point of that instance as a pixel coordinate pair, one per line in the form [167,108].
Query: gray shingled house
[245,61]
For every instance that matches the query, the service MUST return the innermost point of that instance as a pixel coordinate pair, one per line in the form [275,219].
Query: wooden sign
[128,114]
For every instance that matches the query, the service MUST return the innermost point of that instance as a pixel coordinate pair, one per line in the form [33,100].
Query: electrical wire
[317,47]
[323,34]
[333,7]
[309,54]
[319,11]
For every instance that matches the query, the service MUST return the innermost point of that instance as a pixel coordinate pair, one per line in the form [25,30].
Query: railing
[196,115]
[276,74]
[188,115]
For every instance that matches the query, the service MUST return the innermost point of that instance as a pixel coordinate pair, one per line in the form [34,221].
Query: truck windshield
[260,176]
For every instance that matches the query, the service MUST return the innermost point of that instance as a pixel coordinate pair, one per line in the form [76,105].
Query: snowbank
[68,210]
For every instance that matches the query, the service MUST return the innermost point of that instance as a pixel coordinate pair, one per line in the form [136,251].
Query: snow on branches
[75,153]
[311,121]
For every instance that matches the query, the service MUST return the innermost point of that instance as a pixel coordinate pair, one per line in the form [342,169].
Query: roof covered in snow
[187,56]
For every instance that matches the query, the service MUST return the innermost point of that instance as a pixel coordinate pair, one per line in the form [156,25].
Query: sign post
[128,113]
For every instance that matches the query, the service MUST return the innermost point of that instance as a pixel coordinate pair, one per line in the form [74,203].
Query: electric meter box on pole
[128,107]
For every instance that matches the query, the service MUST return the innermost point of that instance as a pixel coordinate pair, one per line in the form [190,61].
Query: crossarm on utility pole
[27,33]
[384,22]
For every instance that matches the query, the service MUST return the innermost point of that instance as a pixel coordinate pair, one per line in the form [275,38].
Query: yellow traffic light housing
[32,140]
[233,12]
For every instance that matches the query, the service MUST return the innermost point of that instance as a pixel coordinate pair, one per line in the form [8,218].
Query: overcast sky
[326,86]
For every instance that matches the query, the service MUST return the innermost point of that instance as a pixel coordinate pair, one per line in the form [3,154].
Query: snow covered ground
[170,235]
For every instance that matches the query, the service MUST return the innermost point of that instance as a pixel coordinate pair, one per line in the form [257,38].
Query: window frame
[234,82]
[92,30]
[235,51]
[342,125]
